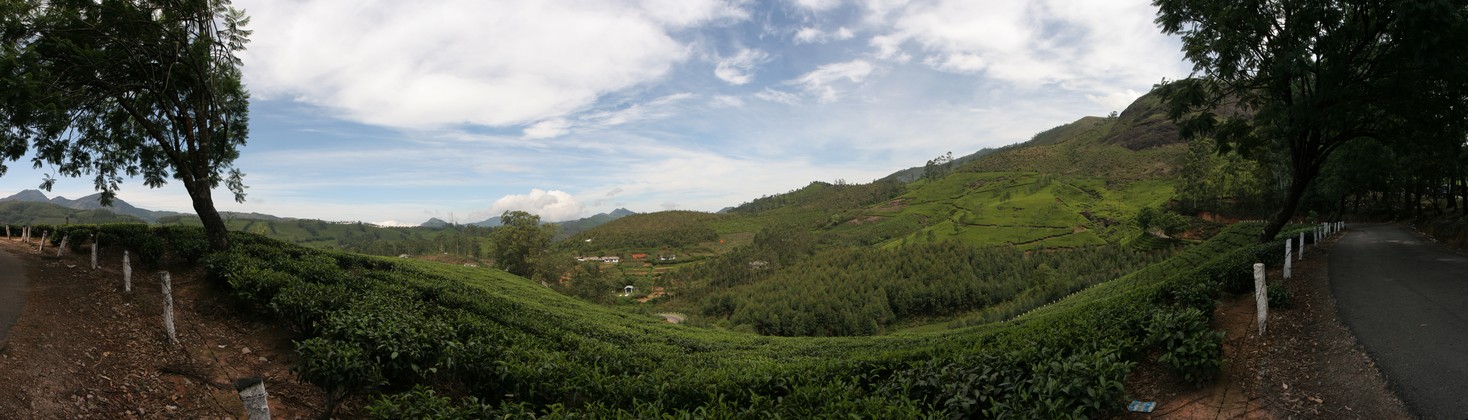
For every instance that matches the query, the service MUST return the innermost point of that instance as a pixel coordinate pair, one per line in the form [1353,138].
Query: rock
[245,350]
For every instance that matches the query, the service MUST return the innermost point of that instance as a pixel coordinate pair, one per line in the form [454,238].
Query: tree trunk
[1298,182]
[214,228]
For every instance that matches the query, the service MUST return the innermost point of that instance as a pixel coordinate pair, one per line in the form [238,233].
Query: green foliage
[391,324]
[1188,346]
[520,242]
[130,88]
[187,244]
[19,213]
[339,367]
[650,231]
[855,291]
[1299,80]
[422,403]
[1278,296]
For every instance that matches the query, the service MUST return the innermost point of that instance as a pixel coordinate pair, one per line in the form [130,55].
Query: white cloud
[778,96]
[819,81]
[660,107]
[726,101]
[551,206]
[498,63]
[549,128]
[818,5]
[1117,100]
[1090,46]
[813,35]
[808,35]
[737,70]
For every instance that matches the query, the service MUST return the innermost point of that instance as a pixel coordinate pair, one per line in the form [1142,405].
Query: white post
[1302,247]
[1261,298]
[7,231]
[127,273]
[64,239]
[95,244]
[253,395]
[1287,259]
[42,245]
[168,308]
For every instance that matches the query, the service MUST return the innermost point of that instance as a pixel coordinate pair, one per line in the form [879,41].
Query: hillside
[521,349]
[1139,144]
[32,213]
[90,202]
[863,259]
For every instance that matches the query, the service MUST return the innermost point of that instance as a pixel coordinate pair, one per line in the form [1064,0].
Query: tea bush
[1187,345]
[418,330]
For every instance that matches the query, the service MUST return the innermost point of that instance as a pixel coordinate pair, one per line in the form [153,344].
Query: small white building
[613,259]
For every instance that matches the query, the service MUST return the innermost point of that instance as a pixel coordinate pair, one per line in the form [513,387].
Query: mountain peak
[434,223]
[28,195]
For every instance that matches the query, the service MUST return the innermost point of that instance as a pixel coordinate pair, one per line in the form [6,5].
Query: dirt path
[1406,298]
[1307,365]
[12,292]
[83,348]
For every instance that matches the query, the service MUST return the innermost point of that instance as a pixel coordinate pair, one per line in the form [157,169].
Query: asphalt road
[12,291]
[1406,299]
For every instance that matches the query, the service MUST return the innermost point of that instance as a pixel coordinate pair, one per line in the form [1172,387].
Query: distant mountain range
[91,202]
[568,227]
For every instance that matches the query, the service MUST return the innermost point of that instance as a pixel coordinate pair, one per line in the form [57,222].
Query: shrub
[187,243]
[421,403]
[339,368]
[302,305]
[1278,296]
[1188,346]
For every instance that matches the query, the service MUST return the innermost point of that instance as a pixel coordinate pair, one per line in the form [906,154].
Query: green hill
[419,331]
[32,213]
[859,259]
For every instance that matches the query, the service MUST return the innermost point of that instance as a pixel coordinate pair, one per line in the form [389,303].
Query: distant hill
[434,223]
[91,202]
[1138,144]
[16,212]
[572,227]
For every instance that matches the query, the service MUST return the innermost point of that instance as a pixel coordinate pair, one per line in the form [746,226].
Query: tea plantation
[420,339]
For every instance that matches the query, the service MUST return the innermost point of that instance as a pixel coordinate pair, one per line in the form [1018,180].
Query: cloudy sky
[394,112]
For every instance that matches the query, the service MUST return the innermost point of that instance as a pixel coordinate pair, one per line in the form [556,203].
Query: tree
[938,167]
[520,241]
[117,88]
[1305,77]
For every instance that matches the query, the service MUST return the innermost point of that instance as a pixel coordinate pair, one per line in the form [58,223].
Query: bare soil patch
[84,348]
[1306,365]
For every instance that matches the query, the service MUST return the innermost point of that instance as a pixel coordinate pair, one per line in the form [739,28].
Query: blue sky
[393,112]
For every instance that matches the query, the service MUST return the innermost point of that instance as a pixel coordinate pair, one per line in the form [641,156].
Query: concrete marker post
[1287,259]
[42,246]
[253,396]
[95,244]
[168,308]
[1261,298]
[127,273]
[1301,257]
[61,248]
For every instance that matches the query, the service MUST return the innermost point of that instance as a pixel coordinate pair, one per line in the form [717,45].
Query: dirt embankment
[84,348]
[1306,365]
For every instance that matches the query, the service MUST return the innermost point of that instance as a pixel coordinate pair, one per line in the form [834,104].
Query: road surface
[1406,299]
[12,291]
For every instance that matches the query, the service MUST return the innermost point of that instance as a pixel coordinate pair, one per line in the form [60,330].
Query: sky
[393,112]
